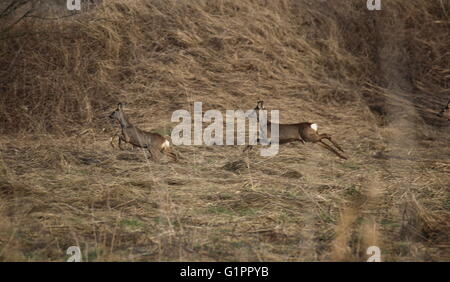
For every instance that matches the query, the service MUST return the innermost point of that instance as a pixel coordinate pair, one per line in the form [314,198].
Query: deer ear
[120,106]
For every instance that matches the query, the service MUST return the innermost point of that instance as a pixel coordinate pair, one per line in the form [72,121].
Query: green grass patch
[220,210]
[163,131]
[353,191]
[350,165]
[131,223]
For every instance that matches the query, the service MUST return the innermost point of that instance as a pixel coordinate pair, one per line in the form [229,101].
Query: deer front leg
[120,143]
[250,147]
[120,140]
[125,138]
[247,148]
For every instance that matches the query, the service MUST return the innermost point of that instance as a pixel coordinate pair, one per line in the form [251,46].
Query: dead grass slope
[371,79]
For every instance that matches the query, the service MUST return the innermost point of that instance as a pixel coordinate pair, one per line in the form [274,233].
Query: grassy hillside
[372,79]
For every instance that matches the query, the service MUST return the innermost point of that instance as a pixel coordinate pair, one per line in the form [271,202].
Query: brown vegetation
[373,79]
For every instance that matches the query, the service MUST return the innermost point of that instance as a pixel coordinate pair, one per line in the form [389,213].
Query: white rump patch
[165,144]
[314,126]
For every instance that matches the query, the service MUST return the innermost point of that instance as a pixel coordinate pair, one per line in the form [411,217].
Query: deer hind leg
[327,136]
[169,152]
[328,147]
[173,155]
[155,155]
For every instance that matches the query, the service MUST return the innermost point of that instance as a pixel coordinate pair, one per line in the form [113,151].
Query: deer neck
[124,121]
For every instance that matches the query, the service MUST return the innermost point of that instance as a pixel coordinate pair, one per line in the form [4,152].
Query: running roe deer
[153,142]
[445,112]
[302,132]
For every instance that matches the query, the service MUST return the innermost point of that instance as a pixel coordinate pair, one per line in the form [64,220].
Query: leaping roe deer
[153,142]
[302,132]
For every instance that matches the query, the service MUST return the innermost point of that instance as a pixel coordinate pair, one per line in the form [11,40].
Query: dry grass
[371,79]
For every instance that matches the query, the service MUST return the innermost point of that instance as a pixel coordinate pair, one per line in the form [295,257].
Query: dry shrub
[58,75]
